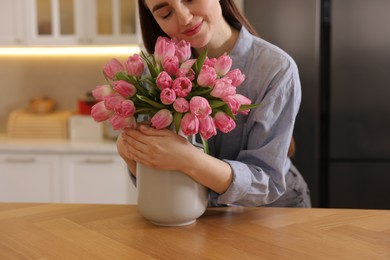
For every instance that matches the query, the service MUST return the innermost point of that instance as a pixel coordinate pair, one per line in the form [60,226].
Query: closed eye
[166,16]
[162,11]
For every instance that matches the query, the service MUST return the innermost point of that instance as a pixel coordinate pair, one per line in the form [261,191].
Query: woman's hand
[125,153]
[160,149]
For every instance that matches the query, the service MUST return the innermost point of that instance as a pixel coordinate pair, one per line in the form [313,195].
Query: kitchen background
[341,48]
[63,77]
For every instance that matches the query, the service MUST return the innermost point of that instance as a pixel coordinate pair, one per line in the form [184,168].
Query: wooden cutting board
[24,124]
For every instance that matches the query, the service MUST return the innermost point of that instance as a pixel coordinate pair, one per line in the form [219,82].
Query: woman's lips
[193,30]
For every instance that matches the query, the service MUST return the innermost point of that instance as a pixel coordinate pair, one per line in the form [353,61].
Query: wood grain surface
[75,231]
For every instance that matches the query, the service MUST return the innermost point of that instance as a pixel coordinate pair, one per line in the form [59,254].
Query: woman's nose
[184,15]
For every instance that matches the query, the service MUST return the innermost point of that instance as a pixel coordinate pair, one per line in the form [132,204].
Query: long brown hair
[151,30]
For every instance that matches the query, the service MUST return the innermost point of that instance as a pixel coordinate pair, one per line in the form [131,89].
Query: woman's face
[198,21]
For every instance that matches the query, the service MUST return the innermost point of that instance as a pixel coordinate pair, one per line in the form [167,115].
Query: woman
[248,166]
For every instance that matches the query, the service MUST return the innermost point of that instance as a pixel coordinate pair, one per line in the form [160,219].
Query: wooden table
[74,231]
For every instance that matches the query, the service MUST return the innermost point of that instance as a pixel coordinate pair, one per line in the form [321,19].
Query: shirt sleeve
[262,163]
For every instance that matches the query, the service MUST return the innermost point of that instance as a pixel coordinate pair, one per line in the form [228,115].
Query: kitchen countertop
[68,231]
[55,145]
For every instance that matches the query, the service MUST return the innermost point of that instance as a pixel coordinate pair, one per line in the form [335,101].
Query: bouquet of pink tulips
[193,95]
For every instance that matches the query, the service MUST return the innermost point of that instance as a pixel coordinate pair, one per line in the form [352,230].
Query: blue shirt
[257,148]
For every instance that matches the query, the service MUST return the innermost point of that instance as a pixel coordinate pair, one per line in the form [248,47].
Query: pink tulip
[119,122]
[210,62]
[112,100]
[187,73]
[188,64]
[124,88]
[182,86]
[111,68]
[223,64]
[170,64]
[164,80]
[207,127]
[135,65]
[162,119]
[232,103]
[167,96]
[236,76]
[181,105]
[164,47]
[186,70]
[183,50]
[100,113]
[189,124]
[200,107]
[243,100]
[207,76]
[223,122]
[223,88]
[125,108]
[101,91]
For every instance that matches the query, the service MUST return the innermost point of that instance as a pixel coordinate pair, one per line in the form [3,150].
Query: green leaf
[216,103]
[151,67]
[149,81]
[201,91]
[140,89]
[245,107]
[151,102]
[122,76]
[153,90]
[199,62]
[228,111]
[177,120]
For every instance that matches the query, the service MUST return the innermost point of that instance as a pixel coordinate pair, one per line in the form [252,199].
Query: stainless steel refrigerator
[342,48]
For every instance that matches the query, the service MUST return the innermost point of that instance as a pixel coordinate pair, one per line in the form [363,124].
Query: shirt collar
[241,50]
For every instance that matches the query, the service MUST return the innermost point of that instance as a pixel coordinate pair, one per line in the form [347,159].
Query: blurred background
[342,48]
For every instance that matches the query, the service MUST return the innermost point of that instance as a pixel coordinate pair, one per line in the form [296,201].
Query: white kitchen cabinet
[11,22]
[111,21]
[97,179]
[50,22]
[80,22]
[26,177]
[63,172]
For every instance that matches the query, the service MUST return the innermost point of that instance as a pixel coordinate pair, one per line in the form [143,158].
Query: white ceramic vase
[169,198]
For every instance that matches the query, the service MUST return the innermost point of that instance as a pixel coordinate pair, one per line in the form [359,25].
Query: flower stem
[205,145]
